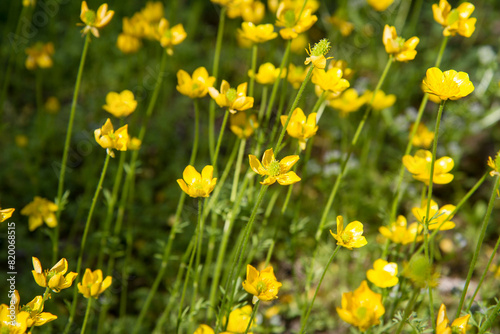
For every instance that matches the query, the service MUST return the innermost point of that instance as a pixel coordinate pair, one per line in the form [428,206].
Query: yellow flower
[34,308]
[238,320]
[92,284]
[267,74]
[204,329]
[275,170]
[446,85]
[243,126]
[195,86]
[384,274]
[313,5]
[257,33]
[169,37]
[21,141]
[348,102]
[493,164]
[350,237]
[455,21]
[39,56]
[6,214]
[317,54]
[53,278]
[344,26]
[403,50]
[120,104]
[380,5]
[420,166]
[39,211]
[153,12]
[438,217]
[263,285]
[399,233]
[134,144]
[128,43]
[29,3]
[347,73]
[330,81]
[423,137]
[381,100]
[110,139]
[300,127]
[252,11]
[52,105]
[196,185]
[299,44]
[16,323]
[361,308]
[288,17]
[93,21]
[233,99]
[296,75]
[458,326]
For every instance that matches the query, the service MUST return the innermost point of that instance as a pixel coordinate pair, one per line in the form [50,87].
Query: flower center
[231,94]
[289,18]
[274,168]
[361,312]
[346,238]
[195,86]
[90,17]
[261,286]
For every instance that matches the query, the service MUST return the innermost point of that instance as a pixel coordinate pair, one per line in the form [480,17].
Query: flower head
[293,24]
[349,101]
[93,21]
[275,170]
[300,127]
[421,272]
[458,326]
[238,320]
[196,185]
[420,166]
[380,5]
[242,125]
[16,323]
[204,329]
[331,81]
[169,37]
[399,233]
[350,237]
[296,75]
[362,307]
[347,72]
[381,100]
[110,139]
[455,21]
[263,285]
[233,99]
[54,277]
[438,218]
[257,33]
[195,86]
[92,284]
[250,11]
[153,12]
[448,85]
[34,308]
[267,74]
[317,54]
[39,56]
[423,137]
[39,211]
[384,274]
[120,104]
[128,43]
[403,50]
[6,214]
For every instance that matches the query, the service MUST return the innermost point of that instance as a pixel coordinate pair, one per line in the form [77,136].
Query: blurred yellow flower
[446,85]
[39,56]
[233,99]
[267,74]
[293,24]
[93,21]
[128,43]
[39,211]
[34,308]
[153,11]
[196,185]
[257,33]
[275,170]
[54,278]
[312,5]
[423,137]
[420,166]
[380,5]
[381,100]
[92,284]
[296,75]
[403,50]
[21,141]
[330,81]
[344,26]
[384,274]
[195,86]
[120,104]
[350,237]
[29,3]
[349,101]
[169,37]
[300,127]
[347,72]
[361,308]
[16,323]
[299,44]
[252,11]
[110,139]
[439,218]
[238,320]
[134,144]
[455,21]
[242,125]
[458,326]
[52,105]
[224,2]
[6,214]
[204,329]
[317,54]
[399,233]
[263,285]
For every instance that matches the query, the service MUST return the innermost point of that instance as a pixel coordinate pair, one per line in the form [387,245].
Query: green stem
[254,68]
[487,324]
[408,310]
[197,269]
[87,313]
[219,140]
[39,92]
[254,312]
[265,90]
[236,178]
[196,131]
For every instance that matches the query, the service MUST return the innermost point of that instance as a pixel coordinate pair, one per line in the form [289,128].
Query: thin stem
[87,313]
[487,324]
[408,310]
[196,131]
[201,223]
[265,89]
[236,178]
[219,140]
[254,68]
[254,312]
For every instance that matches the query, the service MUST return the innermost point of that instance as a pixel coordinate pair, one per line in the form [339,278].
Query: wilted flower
[110,139]
[296,75]
[39,211]
[275,170]
[257,33]
[349,101]
[423,137]
[267,74]
[288,17]
[242,125]
[92,284]
[263,285]
[331,81]
[195,86]
[458,326]
[455,21]
[381,100]
[403,50]
[438,218]
[196,185]
[53,278]
[380,5]
[6,214]
[120,104]
[39,56]
[420,166]
[448,85]
[169,37]
[399,233]
[384,274]
[233,99]
[300,127]
[93,21]
[350,237]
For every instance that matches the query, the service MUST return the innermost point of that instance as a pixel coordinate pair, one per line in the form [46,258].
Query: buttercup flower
[251,11]
[34,308]
[153,11]
[399,233]
[267,74]
[455,21]
[275,170]
[204,329]
[349,101]
[458,326]
[330,81]
[93,21]
[300,127]
[120,104]
[438,217]
[347,72]
[288,17]
[53,278]
[196,185]
[52,105]
[384,274]
[350,237]
[263,285]
[381,100]
[403,50]
[195,86]
[242,125]
[420,166]
[110,139]
[257,33]
[238,320]
[296,75]
[233,99]
[423,137]
[299,44]
[39,211]
[317,54]
[128,44]
[92,284]
[134,144]
[380,5]
[361,308]
[39,56]
[6,214]
[448,85]
[169,37]
[16,323]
